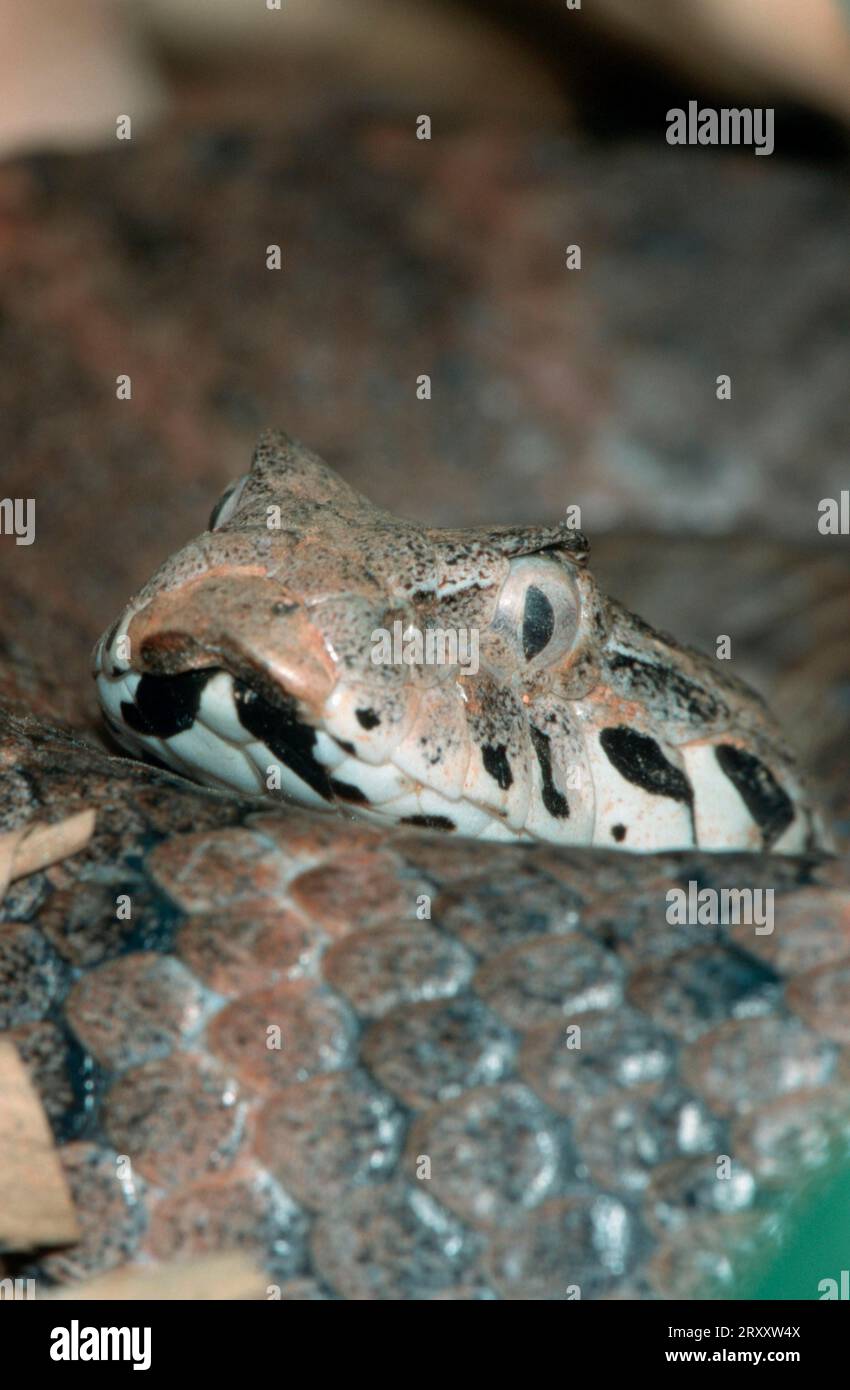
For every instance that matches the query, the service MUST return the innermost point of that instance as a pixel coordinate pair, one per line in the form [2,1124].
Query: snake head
[312,646]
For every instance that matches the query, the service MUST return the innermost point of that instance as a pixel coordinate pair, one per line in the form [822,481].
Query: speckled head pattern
[312,646]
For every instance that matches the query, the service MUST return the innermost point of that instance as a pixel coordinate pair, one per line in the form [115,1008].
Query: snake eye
[227,503]
[539,604]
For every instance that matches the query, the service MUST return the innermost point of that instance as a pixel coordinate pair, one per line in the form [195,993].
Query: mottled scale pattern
[423,997]
[557,716]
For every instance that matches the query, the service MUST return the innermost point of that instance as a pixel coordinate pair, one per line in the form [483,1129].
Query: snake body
[265,656]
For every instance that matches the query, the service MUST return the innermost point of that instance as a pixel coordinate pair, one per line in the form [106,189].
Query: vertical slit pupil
[538,622]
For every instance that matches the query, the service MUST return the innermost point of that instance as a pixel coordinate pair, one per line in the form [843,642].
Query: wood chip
[35,1205]
[229,1275]
[36,846]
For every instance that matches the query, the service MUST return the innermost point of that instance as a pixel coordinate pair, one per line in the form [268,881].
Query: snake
[261,658]
[501,1070]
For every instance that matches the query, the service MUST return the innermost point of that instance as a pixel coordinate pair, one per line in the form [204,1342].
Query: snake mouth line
[217,729]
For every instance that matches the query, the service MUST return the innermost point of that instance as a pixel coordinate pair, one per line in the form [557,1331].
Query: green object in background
[817,1248]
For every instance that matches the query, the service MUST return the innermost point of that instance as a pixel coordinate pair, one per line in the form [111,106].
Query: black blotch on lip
[538,622]
[367,718]
[619,833]
[279,728]
[638,759]
[495,760]
[165,705]
[769,804]
[347,792]
[554,801]
[347,747]
[429,822]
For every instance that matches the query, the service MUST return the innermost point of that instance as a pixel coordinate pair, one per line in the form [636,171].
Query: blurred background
[255,126]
